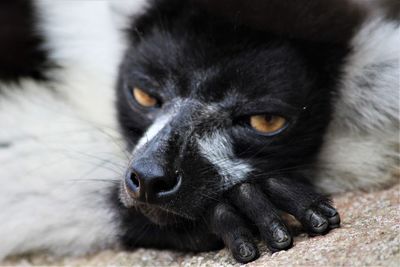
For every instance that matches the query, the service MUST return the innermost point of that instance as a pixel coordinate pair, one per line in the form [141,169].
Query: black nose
[148,181]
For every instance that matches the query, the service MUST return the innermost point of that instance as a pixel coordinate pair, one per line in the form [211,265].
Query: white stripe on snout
[159,124]
[217,148]
[153,130]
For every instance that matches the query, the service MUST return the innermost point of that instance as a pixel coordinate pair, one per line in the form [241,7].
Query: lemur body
[63,140]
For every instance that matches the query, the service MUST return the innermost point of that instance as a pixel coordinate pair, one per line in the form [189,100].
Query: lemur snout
[149,182]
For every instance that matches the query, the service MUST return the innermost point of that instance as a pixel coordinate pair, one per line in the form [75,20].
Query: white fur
[82,39]
[217,149]
[362,145]
[63,138]
[159,124]
[124,10]
[153,130]
[52,196]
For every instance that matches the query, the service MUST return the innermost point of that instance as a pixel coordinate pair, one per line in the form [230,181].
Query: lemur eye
[268,124]
[144,99]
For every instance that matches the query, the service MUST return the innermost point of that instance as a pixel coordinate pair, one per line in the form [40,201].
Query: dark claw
[230,227]
[327,210]
[321,218]
[331,214]
[280,236]
[244,251]
[318,223]
[334,222]
[282,239]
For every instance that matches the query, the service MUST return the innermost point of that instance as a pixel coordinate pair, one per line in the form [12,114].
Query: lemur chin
[180,123]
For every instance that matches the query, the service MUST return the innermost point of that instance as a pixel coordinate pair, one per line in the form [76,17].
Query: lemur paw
[258,207]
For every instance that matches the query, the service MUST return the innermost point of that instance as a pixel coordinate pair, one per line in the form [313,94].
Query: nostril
[162,186]
[135,179]
[132,183]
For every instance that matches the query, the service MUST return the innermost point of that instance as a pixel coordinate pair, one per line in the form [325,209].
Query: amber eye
[267,124]
[143,98]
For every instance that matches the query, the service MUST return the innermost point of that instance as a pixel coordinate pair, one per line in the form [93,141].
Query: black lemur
[190,124]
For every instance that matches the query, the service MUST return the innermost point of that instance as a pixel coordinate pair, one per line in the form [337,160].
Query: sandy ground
[369,236]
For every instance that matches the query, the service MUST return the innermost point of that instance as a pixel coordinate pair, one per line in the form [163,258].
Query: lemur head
[205,104]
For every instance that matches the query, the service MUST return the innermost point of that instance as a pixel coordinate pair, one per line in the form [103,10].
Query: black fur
[392,9]
[139,231]
[21,47]
[179,49]
[332,21]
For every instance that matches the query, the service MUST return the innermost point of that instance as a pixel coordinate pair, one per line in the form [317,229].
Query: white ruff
[58,141]
[52,193]
[362,145]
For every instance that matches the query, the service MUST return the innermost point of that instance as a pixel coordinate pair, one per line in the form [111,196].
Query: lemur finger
[331,213]
[253,203]
[300,199]
[231,228]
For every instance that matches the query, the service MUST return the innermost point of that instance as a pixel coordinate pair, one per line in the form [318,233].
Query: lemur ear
[312,20]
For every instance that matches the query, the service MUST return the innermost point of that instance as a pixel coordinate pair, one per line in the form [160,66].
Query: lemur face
[205,104]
